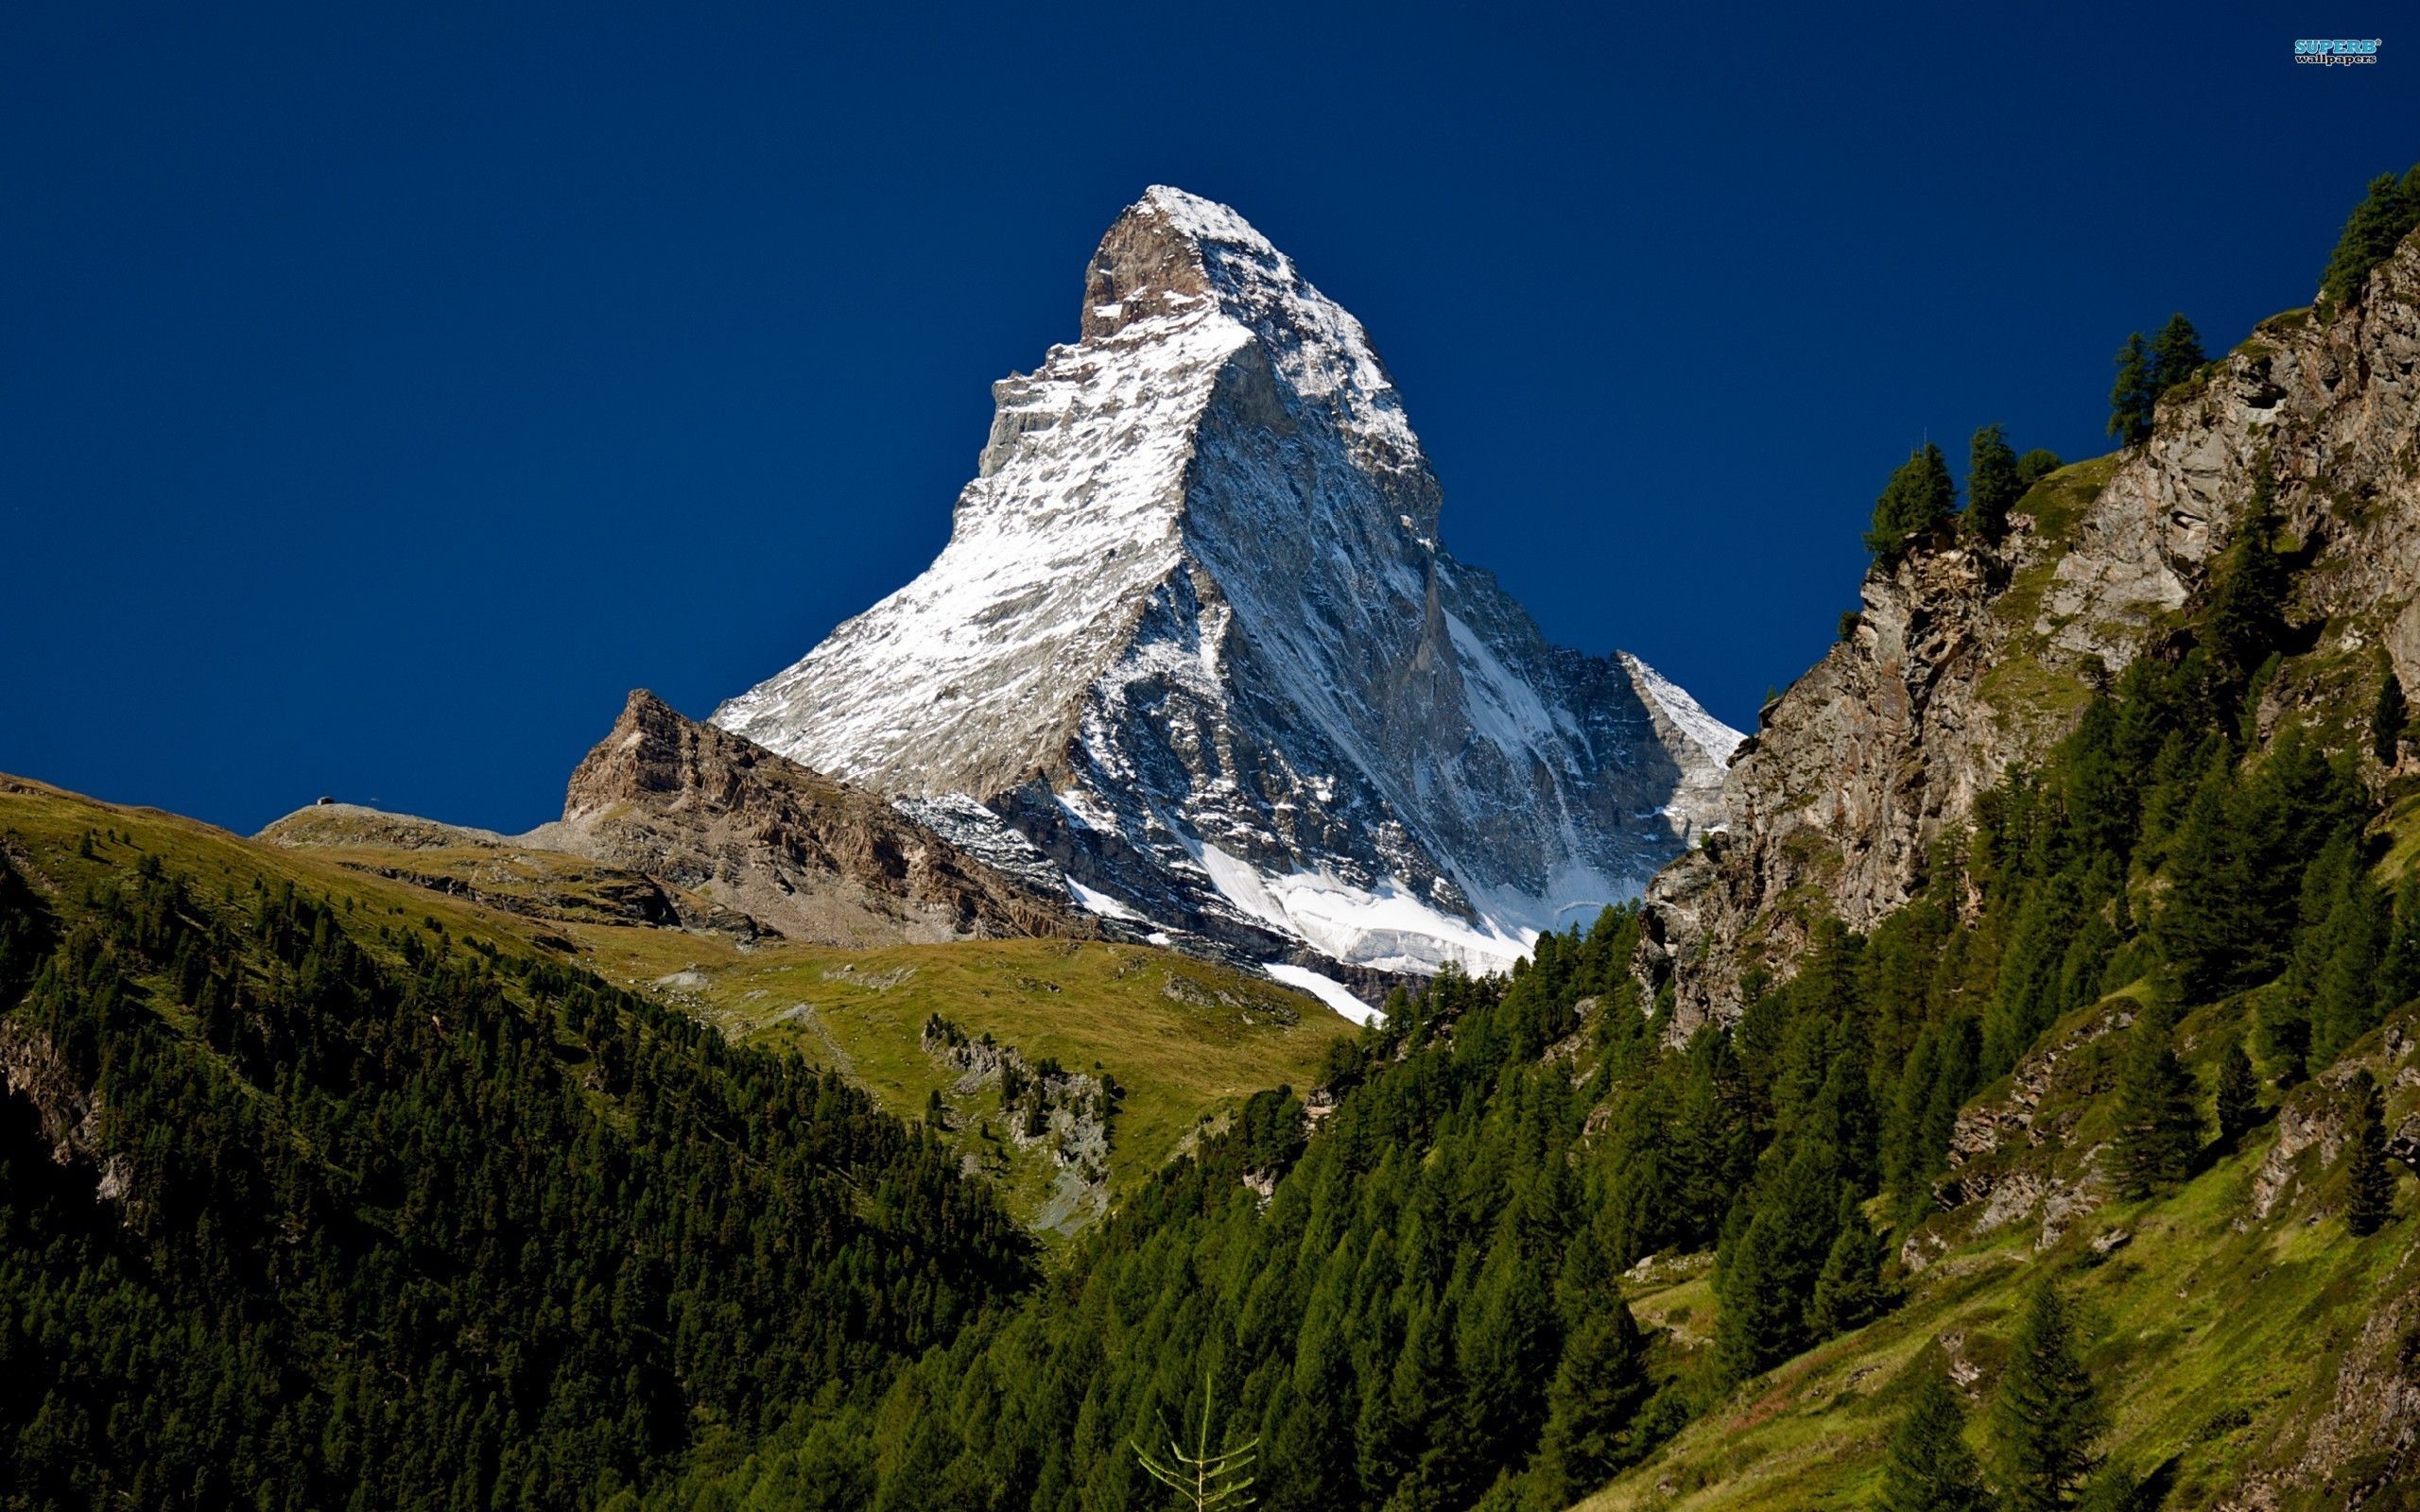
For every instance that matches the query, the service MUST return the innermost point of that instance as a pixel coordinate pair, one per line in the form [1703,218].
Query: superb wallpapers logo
[2336,51]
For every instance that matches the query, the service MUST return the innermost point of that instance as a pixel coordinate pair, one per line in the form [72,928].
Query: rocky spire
[1194,635]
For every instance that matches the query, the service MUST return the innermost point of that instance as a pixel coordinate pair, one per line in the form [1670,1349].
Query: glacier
[1195,644]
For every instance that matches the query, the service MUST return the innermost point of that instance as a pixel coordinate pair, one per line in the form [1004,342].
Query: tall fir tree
[1595,1393]
[2244,616]
[2130,396]
[2176,354]
[2385,216]
[2369,1181]
[2206,911]
[2047,1418]
[1927,1467]
[2158,1130]
[1918,498]
[2389,715]
[2239,1098]
[1993,483]
[1848,1290]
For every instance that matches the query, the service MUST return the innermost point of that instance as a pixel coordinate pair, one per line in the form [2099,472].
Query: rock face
[710,814]
[1967,658]
[672,823]
[1194,638]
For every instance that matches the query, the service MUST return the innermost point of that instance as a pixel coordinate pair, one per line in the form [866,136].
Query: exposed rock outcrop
[674,823]
[1195,638]
[712,814]
[1966,658]
[68,1113]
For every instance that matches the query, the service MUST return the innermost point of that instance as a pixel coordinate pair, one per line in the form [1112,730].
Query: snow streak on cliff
[1194,640]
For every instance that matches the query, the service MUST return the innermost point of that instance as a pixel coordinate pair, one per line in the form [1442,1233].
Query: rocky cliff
[1194,637]
[672,822]
[1965,658]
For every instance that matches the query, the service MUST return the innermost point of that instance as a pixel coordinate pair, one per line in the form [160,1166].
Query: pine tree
[1918,497]
[2158,1132]
[2176,354]
[2388,717]
[1848,1291]
[2343,997]
[2369,1181]
[2245,615]
[1767,1274]
[1929,1466]
[2239,1095]
[1595,1393]
[2131,398]
[2205,913]
[2047,1415]
[1993,484]
[2385,216]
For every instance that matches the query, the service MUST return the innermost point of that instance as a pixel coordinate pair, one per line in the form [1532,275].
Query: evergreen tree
[2047,1415]
[2245,614]
[2239,1095]
[1848,1290]
[1927,1467]
[2388,717]
[2035,466]
[1596,1391]
[2353,938]
[2385,216]
[1993,483]
[1918,497]
[2158,1132]
[2132,397]
[2176,354]
[2369,1181]
[1767,1275]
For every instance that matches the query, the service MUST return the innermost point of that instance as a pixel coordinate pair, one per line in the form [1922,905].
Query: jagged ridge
[1195,638]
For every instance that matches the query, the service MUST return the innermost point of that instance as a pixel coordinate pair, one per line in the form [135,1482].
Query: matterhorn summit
[1196,644]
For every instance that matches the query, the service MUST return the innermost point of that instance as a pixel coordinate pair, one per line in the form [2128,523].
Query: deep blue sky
[385,394]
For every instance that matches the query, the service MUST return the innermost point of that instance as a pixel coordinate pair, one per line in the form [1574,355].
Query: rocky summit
[1195,639]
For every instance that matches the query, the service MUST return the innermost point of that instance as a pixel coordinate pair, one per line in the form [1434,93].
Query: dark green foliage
[2238,1099]
[2369,1181]
[1849,1290]
[2377,225]
[1767,1274]
[2158,1130]
[1993,483]
[1919,498]
[2389,715]
[2036,465]
[2236,865]
[1422,1309]
[2047,1418]
[448,1229]
[2132,397]
[1927,1467]
[2176,354]
[1593,1400]
[2244,615]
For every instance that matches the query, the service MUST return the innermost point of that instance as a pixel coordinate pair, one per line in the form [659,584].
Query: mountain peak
[1168,255]
[1195,638]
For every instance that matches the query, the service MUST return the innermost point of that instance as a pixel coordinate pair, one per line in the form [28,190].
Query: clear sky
[388,390]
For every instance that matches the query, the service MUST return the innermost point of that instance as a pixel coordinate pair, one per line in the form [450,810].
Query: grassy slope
[2022,687]
[2220,1337]
[1184,1037]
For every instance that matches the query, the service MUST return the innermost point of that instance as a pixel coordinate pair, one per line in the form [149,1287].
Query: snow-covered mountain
[1194,641]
